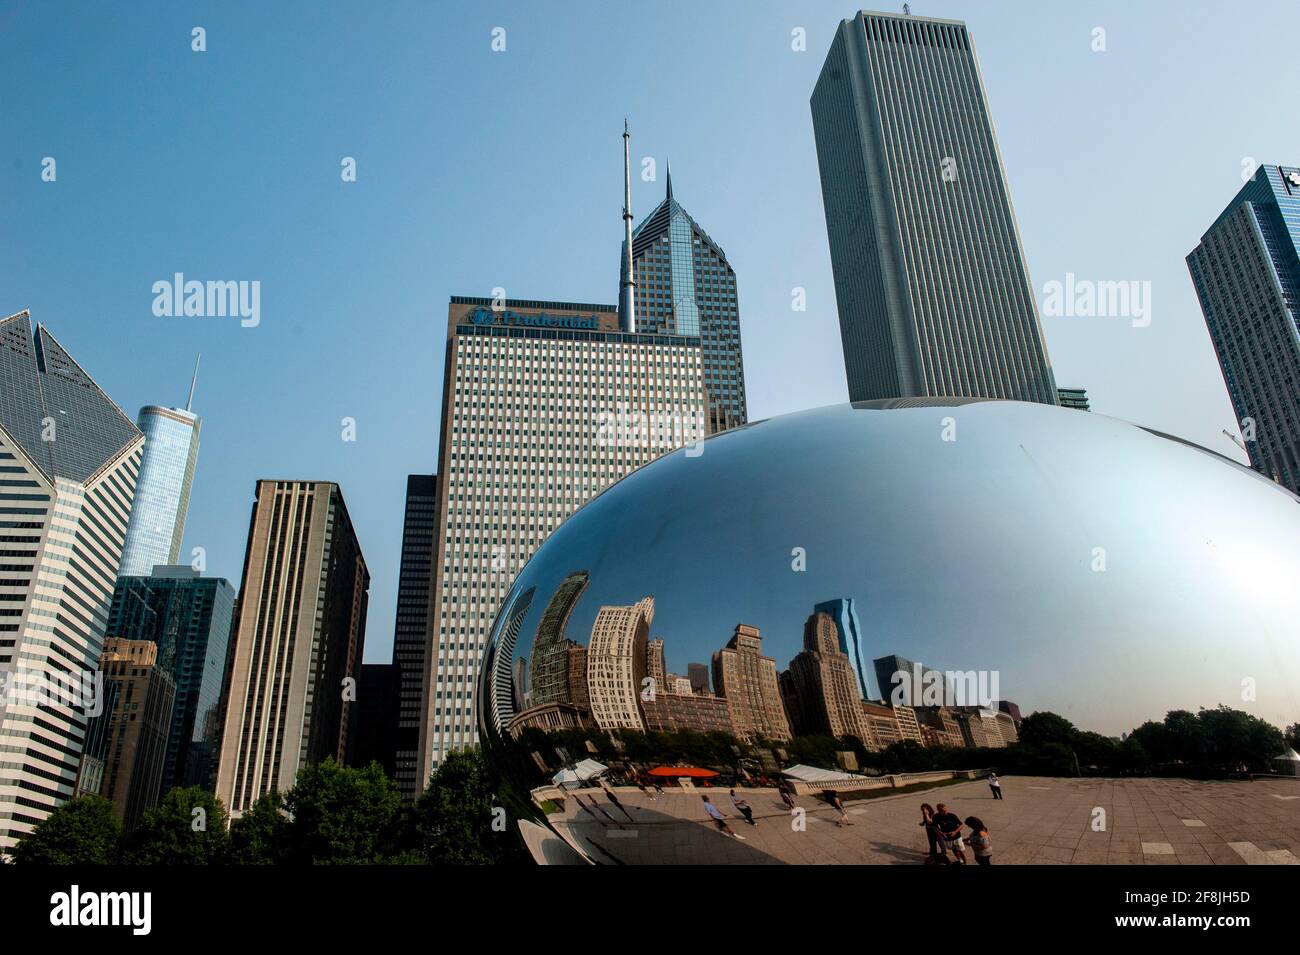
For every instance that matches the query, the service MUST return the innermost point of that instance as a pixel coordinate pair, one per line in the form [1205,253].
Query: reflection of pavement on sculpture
[1041,821]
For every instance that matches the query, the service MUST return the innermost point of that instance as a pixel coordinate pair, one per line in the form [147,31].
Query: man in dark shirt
[949,825]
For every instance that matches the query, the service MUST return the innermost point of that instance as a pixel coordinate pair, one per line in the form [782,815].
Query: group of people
[739,804]
[943,829]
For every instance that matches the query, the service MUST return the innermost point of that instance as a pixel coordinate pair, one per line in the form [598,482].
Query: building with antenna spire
[162,498]
[521,450]
[686,286]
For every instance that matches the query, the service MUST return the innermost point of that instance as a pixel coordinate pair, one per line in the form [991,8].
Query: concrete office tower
[138,727]
[411,630]
[686,286]
[1247,276]
[162,495]
[549,670]
[545,404]
[301,634]
[748,682]
[823,682]
[848,630]
[616,664]
[934,296]
[189,618]
[69,460]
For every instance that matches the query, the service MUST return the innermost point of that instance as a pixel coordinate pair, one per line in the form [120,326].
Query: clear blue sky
[479,169]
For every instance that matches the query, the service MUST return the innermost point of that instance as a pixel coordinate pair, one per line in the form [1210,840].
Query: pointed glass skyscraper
[69,460]
[686,286]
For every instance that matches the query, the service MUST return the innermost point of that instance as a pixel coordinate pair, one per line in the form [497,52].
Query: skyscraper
[545,404]
[162,496]
[616,664]
[686,286]
[823,682]
[136,752]
[844,613]
[930,279]
[300,636]
[1247,276]
[411,630]
[549,677]
[69,461]
[189,618]
[748,682]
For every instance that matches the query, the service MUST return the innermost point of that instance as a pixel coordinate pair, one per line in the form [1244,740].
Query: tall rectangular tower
[162,499]
[411,630]
[1247,276]
[930,279]
[69,460]
[300,636]
[545,404]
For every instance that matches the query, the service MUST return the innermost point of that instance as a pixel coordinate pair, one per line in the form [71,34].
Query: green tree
[261,835]
[188,827]
[1155,741]
[1046,727]
[1186,736]
[342,815]
[1292,736]
[82,831]
[457,820]
[1231,738]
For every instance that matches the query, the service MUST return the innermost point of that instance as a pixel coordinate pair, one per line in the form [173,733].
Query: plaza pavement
[1040,821]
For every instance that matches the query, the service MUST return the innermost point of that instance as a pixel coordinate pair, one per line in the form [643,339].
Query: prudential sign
[506,316]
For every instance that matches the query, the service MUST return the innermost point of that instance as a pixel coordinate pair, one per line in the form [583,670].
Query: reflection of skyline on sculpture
[975,554]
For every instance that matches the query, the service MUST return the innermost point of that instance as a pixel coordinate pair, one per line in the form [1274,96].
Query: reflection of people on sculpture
[720,819]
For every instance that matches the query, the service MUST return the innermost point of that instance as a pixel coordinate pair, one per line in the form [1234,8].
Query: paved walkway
[1040,821]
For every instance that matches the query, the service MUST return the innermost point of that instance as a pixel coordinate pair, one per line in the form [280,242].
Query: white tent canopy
[811,774]
[583,771]
[1288,764]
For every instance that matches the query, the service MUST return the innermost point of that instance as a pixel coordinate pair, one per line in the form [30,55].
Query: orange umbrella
[682,771]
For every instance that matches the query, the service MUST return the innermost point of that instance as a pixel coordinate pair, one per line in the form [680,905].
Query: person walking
[995,785]
[980,840]
[938,855]
[837,804]
[949,824]
[787,797]
[743,808]
[720,819]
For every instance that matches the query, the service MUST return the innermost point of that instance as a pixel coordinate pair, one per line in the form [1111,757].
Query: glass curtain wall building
[1247,276]
[933,293]
[686,286]
[189,618]
[162,499]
